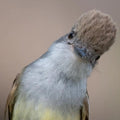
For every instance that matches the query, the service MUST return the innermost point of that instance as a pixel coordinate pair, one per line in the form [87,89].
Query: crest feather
[96,29]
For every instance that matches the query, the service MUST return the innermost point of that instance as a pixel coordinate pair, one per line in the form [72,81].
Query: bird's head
[92,35]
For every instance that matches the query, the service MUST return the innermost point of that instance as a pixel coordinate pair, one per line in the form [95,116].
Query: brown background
[27,29]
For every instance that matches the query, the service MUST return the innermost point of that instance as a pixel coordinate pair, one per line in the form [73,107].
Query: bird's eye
[71,35]
[98,57]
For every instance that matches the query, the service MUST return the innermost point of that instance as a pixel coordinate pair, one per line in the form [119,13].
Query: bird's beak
[80,51]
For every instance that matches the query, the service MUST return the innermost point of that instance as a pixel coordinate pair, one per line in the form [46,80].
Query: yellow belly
[28,111]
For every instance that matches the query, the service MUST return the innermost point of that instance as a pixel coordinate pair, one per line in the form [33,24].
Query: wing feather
[11,99]
[84,110]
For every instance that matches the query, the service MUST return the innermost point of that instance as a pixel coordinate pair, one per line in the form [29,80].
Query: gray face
[82,49]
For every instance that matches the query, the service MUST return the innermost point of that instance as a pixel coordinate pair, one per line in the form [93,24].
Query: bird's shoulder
[84,110]
[12,98]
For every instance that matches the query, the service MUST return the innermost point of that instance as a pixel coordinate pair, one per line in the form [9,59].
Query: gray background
[27,29]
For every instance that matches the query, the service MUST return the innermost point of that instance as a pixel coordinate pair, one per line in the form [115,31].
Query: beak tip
[80,51]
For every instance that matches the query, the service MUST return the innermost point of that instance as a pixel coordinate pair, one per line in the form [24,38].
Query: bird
[54,87]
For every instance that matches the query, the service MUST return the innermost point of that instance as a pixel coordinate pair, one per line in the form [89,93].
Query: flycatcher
[54,87]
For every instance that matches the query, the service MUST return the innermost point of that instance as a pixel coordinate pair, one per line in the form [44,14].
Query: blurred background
[28,28]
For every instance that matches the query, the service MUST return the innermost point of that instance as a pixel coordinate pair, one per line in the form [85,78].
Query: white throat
[59,78]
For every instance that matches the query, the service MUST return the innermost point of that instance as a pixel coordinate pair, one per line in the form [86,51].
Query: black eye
[98,57]
[71,35]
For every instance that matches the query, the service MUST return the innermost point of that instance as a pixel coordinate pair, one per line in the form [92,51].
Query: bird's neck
[61,75]
[68,63]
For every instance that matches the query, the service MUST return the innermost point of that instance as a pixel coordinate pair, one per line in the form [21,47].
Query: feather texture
[11,99]
[54,86]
